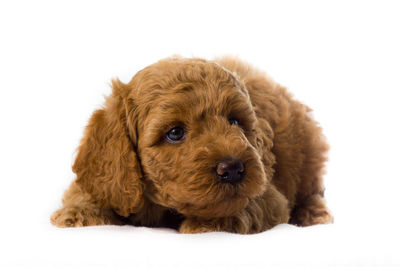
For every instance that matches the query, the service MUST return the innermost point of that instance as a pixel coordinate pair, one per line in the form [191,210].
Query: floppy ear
[106,165]
[264,143]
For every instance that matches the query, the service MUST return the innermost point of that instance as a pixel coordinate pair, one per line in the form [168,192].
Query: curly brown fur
[127,171]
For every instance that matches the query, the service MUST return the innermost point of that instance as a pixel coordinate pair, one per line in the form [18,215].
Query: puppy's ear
[264,143]
[106,165]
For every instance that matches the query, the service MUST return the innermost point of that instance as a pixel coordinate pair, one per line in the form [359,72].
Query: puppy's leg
[310,211]
[309,207]
[79,209]
[260,214]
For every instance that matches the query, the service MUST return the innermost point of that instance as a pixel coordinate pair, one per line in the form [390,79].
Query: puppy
[199,146]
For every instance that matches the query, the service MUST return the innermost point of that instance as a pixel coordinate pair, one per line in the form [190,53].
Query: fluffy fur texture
[129,173]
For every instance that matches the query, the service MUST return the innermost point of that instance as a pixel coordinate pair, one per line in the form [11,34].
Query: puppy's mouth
[224,208]
[224,199]
[206,193]
[242,189]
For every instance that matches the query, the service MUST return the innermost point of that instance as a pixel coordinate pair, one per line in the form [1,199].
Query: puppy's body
[248,156]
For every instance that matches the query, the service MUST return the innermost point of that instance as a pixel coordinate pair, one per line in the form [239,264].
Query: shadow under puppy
[199,146]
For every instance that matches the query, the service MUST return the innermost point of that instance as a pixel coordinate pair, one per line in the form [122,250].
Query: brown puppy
[200,146]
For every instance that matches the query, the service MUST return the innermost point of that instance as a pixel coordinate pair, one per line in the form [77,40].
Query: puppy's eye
[175,134]
[233,121]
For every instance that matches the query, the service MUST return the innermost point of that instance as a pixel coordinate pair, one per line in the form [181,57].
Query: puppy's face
[197,138]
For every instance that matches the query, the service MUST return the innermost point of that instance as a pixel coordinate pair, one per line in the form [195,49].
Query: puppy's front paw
[312,211]
[67,217]
[191,226]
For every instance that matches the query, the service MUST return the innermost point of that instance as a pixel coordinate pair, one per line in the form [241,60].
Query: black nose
[230,171]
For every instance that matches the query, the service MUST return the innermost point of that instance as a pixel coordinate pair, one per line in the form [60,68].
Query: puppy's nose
[230,171]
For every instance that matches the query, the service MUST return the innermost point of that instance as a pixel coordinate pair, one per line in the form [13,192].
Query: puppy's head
[192,127]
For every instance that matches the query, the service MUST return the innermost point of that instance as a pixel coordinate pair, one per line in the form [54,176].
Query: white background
[341,58]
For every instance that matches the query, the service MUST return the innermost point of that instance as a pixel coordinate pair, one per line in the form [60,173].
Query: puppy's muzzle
[230,170]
